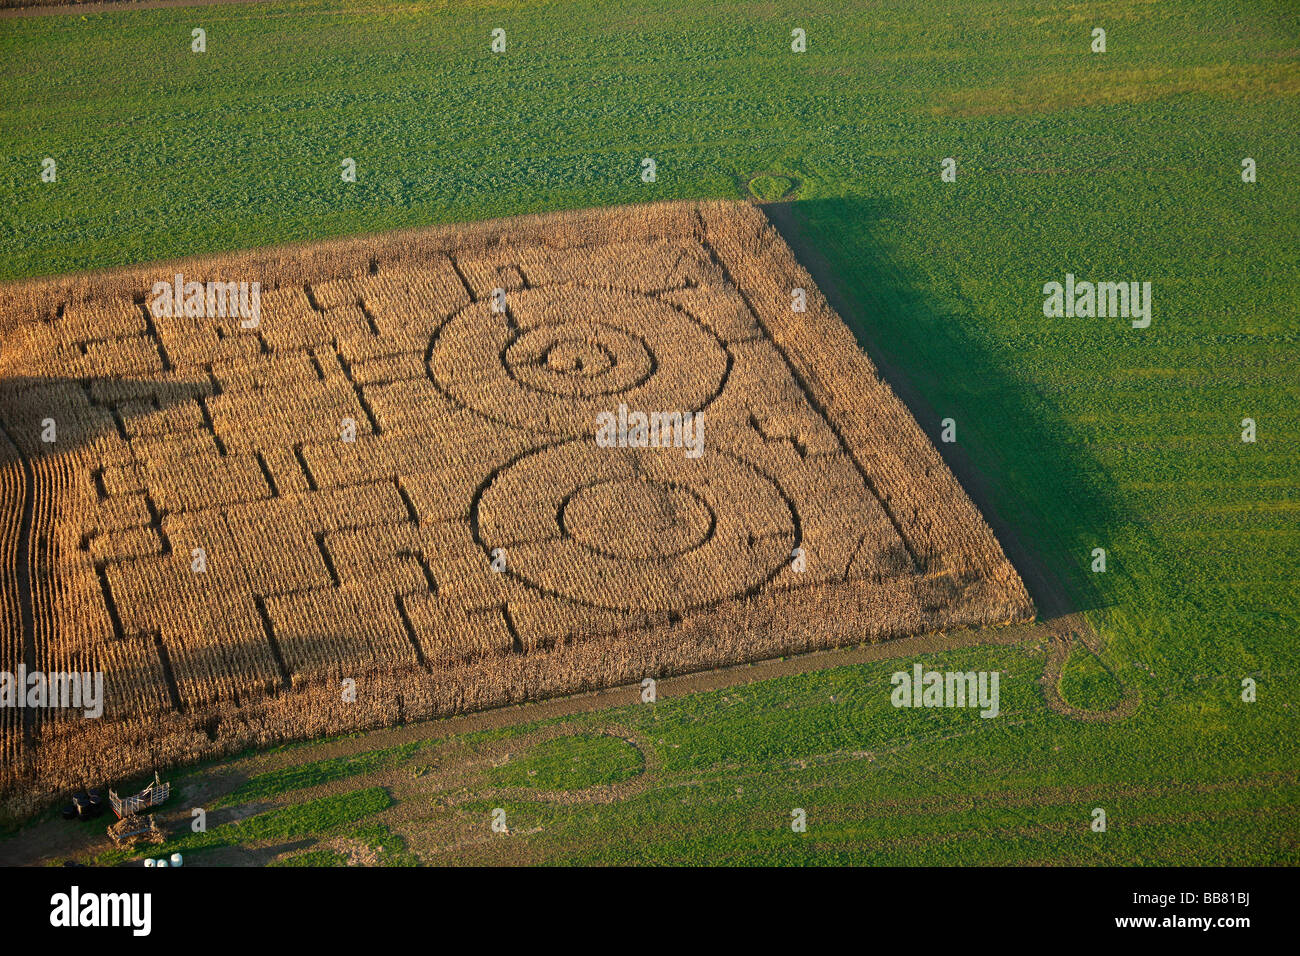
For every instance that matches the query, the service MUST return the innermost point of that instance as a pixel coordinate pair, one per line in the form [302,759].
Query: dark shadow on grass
[932,363]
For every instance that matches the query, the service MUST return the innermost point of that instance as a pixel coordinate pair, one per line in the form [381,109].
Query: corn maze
[391,483]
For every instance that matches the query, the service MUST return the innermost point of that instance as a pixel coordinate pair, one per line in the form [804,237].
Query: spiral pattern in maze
[643,530]
[560,355]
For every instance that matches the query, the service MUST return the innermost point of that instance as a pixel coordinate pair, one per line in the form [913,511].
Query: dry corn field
[371,559]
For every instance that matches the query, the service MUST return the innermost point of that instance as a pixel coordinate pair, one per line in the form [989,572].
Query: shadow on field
[1035,490]
[85,410]
[82,413]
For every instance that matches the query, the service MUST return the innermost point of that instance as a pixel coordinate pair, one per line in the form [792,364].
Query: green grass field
[1090,433]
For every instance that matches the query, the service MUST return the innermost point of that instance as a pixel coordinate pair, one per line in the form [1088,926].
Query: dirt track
[54,838]
[1065,632]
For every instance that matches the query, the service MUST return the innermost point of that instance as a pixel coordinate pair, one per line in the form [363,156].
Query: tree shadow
[1046,500]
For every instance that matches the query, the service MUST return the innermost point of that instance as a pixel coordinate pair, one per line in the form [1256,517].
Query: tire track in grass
[667,688]
[642,780]
[1066,632]
[54,9]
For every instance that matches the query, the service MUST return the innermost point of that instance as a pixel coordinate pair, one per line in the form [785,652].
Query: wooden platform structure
[134,829]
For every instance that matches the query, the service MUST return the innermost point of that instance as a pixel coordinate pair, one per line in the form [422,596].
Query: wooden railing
[151,796]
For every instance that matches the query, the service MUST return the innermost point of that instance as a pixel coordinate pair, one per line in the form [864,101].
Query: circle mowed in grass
[575,762]
[1087,684]
[770,188]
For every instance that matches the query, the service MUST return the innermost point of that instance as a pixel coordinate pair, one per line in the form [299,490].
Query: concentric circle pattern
[575,363]
[671,520]
[664,547]
[560,355]
[629,530]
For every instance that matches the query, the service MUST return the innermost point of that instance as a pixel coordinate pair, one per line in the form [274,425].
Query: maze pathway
[385,498]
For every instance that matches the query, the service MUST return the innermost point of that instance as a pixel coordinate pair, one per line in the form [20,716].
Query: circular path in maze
[636,530]
[560,355]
